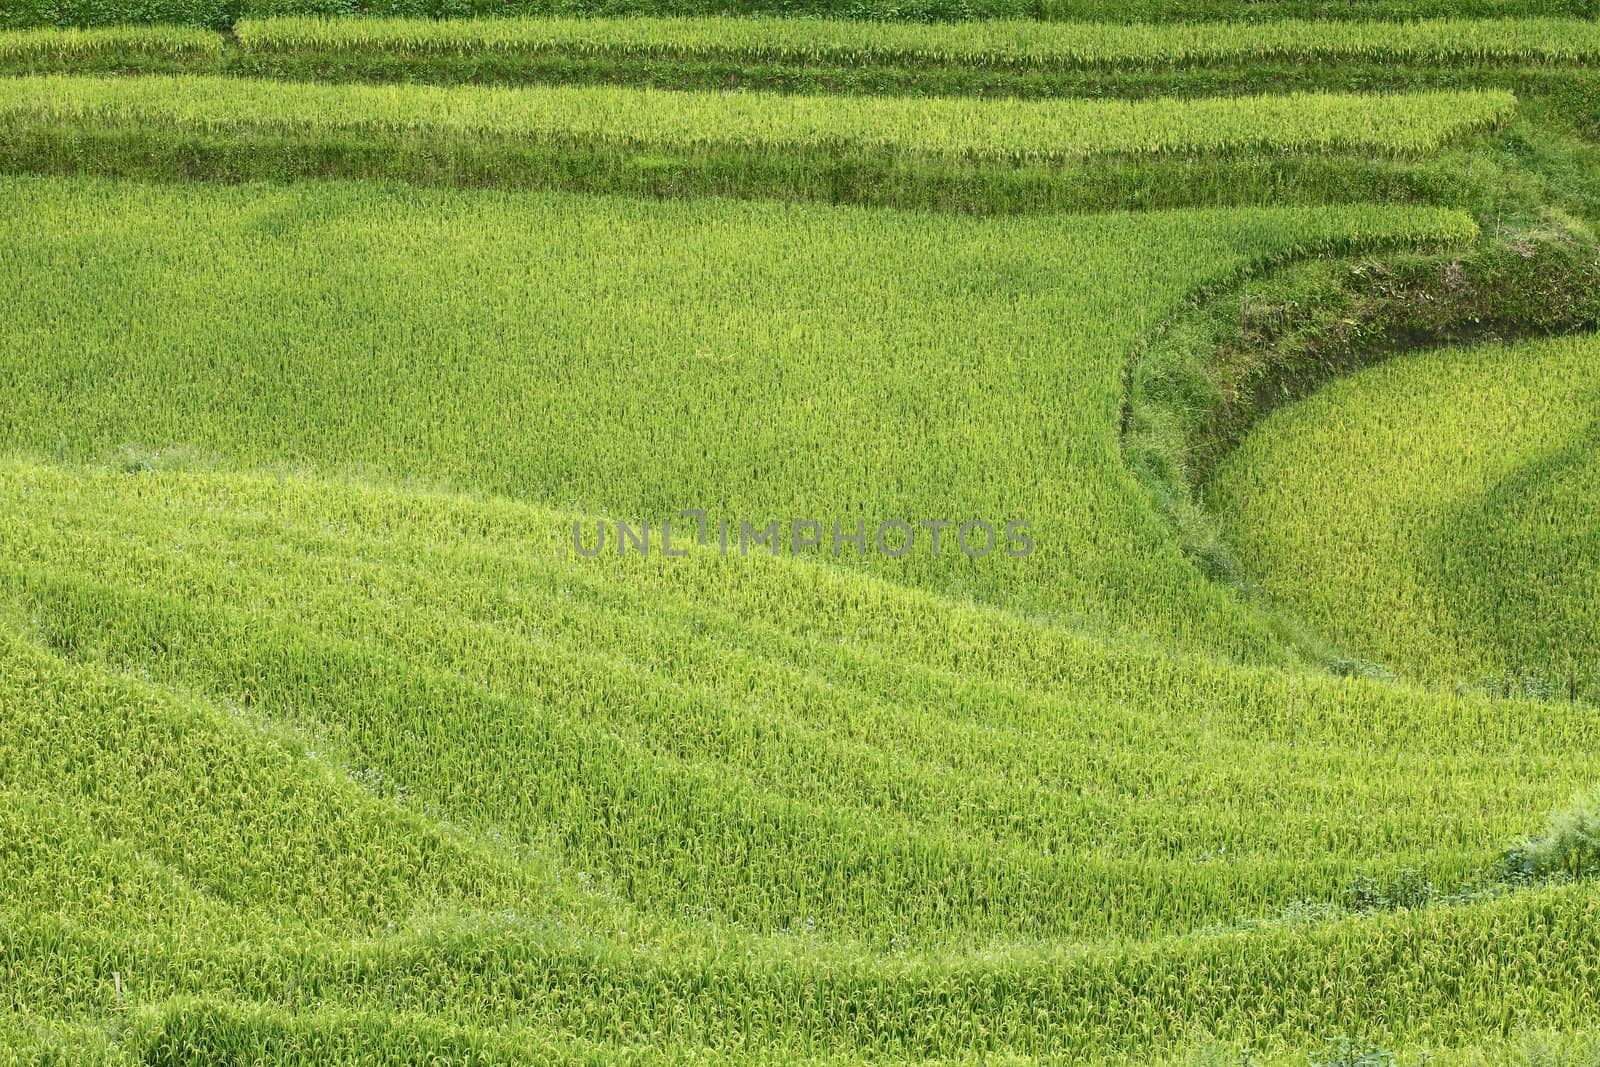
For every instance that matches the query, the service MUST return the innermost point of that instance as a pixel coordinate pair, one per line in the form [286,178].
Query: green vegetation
[1569,847]
[1437,515]
[30,14]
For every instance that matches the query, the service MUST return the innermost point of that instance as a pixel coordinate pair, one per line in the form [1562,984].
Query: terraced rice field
[1452,541]
[1018,534]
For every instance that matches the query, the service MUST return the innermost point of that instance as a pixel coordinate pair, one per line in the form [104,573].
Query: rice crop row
[967,155]
[1023,59]
[995,131]
[1006,44]
[75,48]
[637,798]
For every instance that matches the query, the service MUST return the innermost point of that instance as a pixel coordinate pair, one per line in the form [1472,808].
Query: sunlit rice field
[898,533]
[1452,540]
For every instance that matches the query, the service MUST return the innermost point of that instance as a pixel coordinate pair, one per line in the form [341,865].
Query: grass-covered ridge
[219,14]
[962,154]
[1005,58]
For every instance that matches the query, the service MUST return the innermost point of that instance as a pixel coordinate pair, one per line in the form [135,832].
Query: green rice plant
[144,49]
